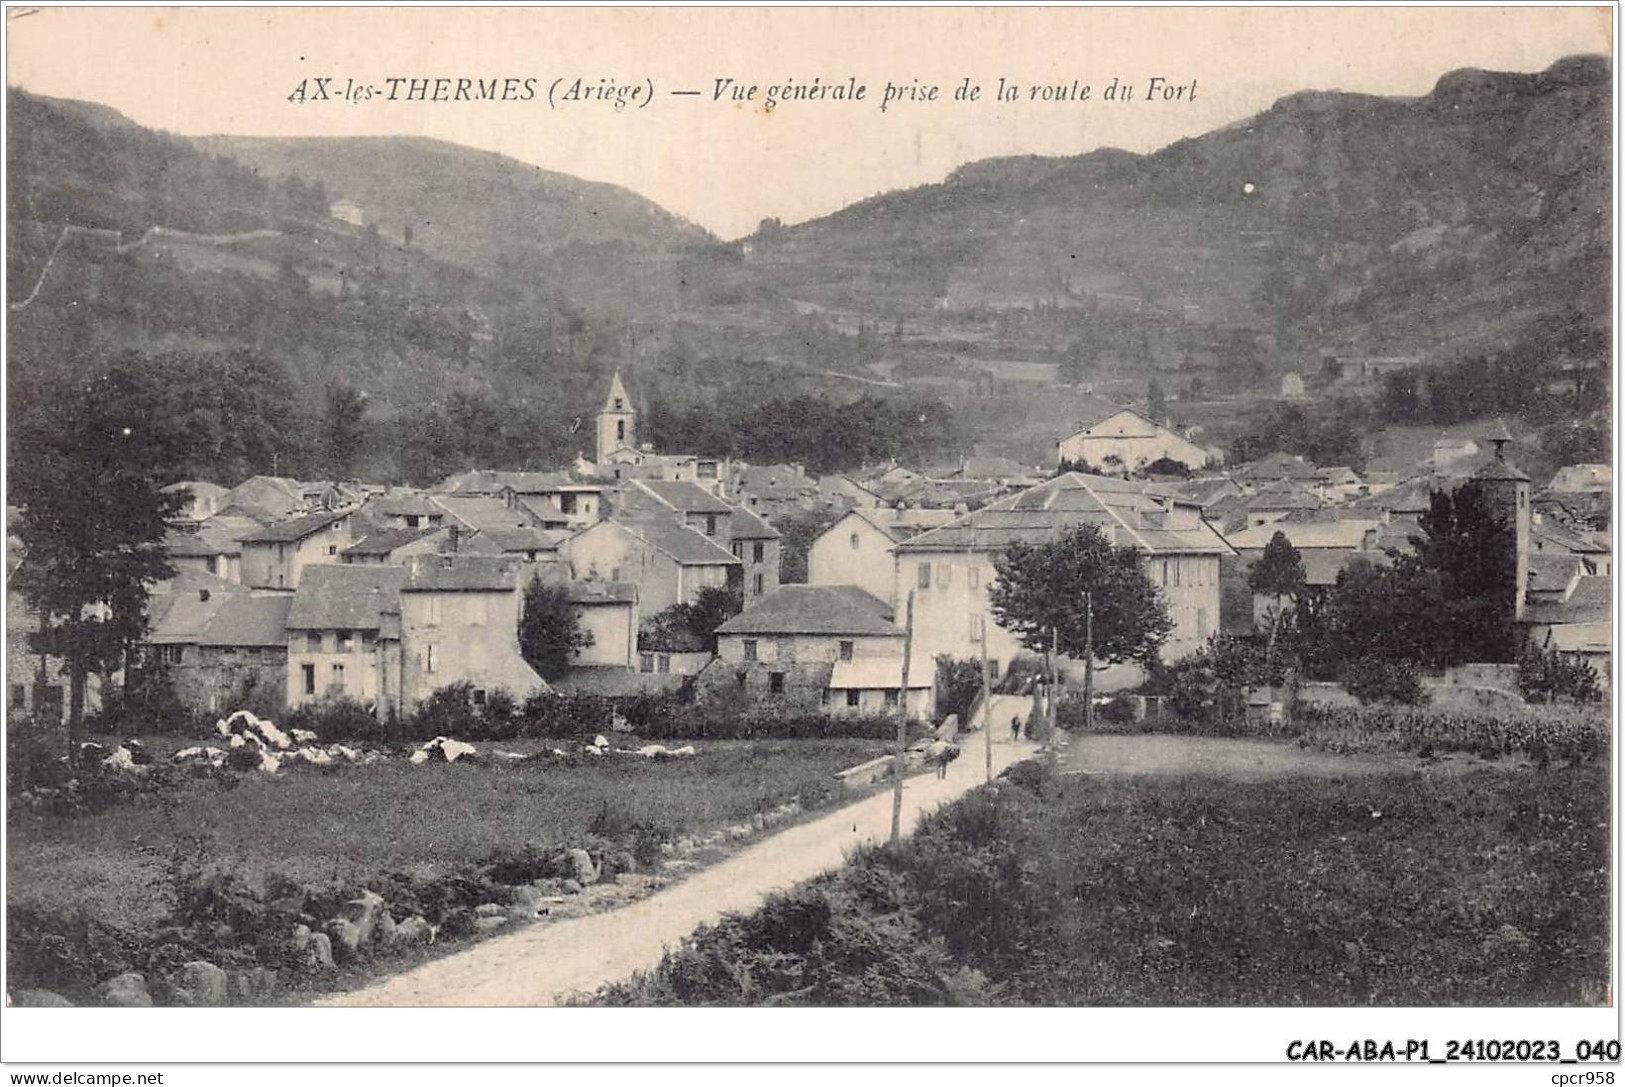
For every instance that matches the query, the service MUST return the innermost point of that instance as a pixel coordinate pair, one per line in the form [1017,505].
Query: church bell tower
[617,421]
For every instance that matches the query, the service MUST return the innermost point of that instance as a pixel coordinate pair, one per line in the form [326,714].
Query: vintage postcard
[1104,511]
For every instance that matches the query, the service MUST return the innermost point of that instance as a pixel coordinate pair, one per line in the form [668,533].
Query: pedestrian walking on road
[1015,728]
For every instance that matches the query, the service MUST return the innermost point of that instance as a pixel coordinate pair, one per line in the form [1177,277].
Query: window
[852,698]
[338,675]
[750,649]
[853,540]
[975,576]
[619,404]
[925,575]
[310,678]
[891,698]
[757,552]
[620,430]
[978,627]
[1201,622]
[775,682]
[434,610]
[313,641]
[332,549]
[993,669]
[664,664]
[757,584]
[479,696]
[646,662]
[710,524]
[412,520]
[346,642]
[368,639]
[846,651]
[1175,564]
[944,574]
[738,550]
[428,658]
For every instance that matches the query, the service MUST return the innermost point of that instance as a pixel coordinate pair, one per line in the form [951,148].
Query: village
[383,595]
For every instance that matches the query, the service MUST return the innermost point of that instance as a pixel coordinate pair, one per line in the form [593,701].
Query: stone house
[830,648]
[459,622]
[201,498]
[669,562]
[608,610]
[951,568]
[220,645]
[393,546]
[212,546]
[772,490]
[275,557]
[756,545]
[860,549]
[344,636]
[686,502]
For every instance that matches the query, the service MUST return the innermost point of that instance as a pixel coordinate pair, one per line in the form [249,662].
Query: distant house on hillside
[1111,436]
[1583,479]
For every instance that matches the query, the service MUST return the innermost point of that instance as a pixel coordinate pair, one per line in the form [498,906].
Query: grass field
[1307,887]
[353,823]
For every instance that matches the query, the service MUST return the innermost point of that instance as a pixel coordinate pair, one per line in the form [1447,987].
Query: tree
[1156,402]
[344,427]
[550,631]
[1468,554]
[1082,596]
[1278,573]
[691,627]
[85,473]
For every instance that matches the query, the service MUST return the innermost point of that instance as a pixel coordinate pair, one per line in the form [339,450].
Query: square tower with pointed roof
[617,421]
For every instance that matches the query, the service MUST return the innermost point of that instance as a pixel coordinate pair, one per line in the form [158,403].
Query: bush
[959,684]
[1373,679]
[338,720]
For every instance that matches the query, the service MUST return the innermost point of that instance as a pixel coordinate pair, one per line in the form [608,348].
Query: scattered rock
[363,913]
[385,932]
[486,924]
[320,953]
[524,896]
[303,735]
[445,749]
[40,998]
[581,867]
[625,862]
[414,930]
[345,936]
[125,991]
[739,832]
[200,984]
[252,986]
[490,909]
[571,887]
[548,886]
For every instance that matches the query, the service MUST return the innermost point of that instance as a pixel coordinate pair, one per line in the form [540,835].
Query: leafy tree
[1156,401]
[797,531]
[692,627]
[1550,675]
[1466,555]
[550,631]
[958,684]
[1279,571]
[1089,599]
[85,473]
[344,427]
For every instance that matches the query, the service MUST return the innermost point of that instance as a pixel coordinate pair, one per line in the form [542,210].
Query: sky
[728,164]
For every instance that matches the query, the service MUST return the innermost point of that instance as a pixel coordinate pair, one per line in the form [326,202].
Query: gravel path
[538,965]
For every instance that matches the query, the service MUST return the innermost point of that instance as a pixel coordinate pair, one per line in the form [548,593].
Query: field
[1322,880]
[355,823]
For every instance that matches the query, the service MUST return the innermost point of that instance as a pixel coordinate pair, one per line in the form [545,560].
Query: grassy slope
[354,823]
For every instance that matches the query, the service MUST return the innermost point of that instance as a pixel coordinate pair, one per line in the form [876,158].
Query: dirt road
[537,965]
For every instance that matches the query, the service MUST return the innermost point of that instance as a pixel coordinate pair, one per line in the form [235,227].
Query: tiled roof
[178,614]
[249,621]
[513,540]
[1594,636]
[404,505]
[1341,534]
[1278,466]
[1130,514]
[769,480]
[482,511]
[1564,538]
[1591,601]
[1554,572]
[679,542]
[1094,410]
[296,529]
[683,495]
[992,468]
[814,609]
[219,535]
[745,525]
[345,597]
[461,573]
[1282,495]
[385,540]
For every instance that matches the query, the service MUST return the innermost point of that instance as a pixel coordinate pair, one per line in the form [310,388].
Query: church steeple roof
[618,400]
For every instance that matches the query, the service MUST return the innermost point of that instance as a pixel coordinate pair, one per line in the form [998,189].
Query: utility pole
[1089,661]
[987,708]
[902,726]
